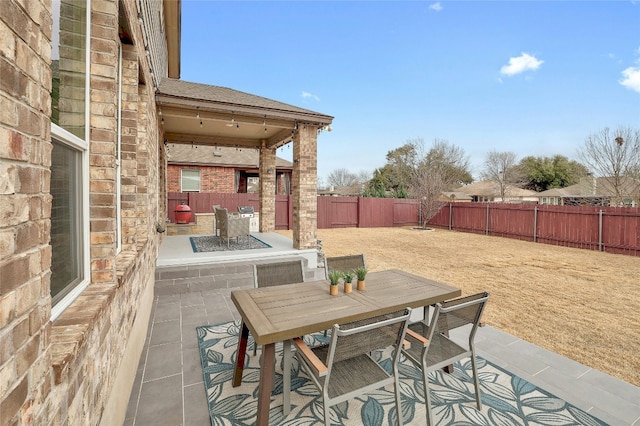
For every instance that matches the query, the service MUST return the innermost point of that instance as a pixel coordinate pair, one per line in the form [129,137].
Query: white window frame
[119,157]
[82,146]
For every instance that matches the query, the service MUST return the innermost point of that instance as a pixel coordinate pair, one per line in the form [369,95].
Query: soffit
[213,115]
[172,24]
[206,155]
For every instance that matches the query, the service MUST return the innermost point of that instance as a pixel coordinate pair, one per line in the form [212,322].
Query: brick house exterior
[83,183]
[223,169]
[76,364]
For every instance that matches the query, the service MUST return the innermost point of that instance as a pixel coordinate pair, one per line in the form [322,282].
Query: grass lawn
[582,304]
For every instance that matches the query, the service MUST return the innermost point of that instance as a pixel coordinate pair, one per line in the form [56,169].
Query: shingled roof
[490,188]
[204,155]
[228,98]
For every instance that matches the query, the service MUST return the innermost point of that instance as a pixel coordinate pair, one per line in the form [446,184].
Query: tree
[443,167]
[340,178]
[615,156]
[502,168]
[414,171]
[377,186]
[542,173]
[400,176]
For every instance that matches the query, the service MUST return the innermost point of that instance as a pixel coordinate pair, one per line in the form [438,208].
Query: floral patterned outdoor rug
[507,399]
[212,243]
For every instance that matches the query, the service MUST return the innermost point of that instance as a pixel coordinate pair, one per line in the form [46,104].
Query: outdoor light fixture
[232,122]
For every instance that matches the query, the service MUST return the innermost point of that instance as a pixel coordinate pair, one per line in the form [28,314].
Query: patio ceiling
[213,115]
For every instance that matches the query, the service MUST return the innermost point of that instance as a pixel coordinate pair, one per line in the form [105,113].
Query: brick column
[267,189]
[304,180]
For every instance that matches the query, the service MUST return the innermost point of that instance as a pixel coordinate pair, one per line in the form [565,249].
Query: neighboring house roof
[489,188]
[343,191]
[555,192]
[602,186]
[227,98]
[455,195]
[205,155]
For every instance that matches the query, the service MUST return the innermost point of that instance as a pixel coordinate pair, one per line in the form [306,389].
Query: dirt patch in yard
[579,303]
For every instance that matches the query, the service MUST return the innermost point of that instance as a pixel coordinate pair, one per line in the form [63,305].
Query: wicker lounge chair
[230,225]
[343,369]
[430,347]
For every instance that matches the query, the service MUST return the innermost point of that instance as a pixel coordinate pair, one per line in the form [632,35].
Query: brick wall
[25,208]
[212,179]
[78,369]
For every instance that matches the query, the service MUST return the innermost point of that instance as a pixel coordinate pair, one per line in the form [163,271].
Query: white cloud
[631,78]
[436,6]
[520,64]
[307,95]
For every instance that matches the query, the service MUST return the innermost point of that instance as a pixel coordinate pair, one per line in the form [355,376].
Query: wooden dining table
[281,313]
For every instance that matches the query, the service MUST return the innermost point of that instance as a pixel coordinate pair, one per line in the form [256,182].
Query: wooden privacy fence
[333,212]
[609,229]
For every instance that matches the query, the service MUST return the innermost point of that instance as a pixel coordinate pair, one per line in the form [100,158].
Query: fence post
[535,223]
[450,216]
[600,230]
[486,231]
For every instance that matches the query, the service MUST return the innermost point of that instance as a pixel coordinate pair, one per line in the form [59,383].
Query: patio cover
[201,114]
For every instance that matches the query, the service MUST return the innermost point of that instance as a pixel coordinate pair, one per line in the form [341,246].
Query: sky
[529,77]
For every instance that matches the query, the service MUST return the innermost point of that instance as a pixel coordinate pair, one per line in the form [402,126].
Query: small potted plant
[334,280]
[348,277]
[361,273]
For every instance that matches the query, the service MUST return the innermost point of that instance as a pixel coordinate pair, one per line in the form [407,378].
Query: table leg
[266,383]
[286,377]
[242,351]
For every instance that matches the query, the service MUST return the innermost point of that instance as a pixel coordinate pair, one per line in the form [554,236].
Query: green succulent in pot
[334,277]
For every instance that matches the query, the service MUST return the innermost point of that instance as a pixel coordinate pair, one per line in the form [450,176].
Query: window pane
[68,65]
[66,244]
[190,180]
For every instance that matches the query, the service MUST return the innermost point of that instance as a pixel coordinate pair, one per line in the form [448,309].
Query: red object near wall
[183,213]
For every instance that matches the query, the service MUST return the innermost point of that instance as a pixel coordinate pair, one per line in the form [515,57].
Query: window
[70,271]
[190,180]
[253,185]
[66,218]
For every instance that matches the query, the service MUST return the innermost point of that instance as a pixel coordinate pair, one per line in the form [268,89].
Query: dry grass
[582,304]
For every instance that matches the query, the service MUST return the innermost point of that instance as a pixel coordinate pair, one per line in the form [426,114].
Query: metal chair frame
[344,369]
[431,348]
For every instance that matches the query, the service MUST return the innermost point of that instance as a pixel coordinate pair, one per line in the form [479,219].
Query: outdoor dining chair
[215,228]
[277,273]
[344,263]
[431,348]
[230,225]
[344,369]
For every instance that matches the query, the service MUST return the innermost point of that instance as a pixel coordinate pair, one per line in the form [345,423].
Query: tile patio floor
[169,388]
